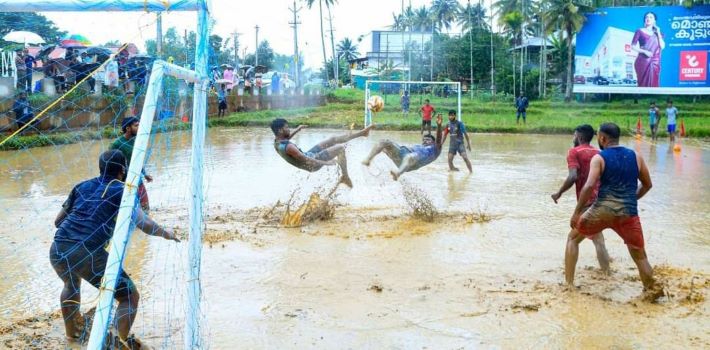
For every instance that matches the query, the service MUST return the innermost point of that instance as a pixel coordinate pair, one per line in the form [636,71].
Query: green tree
[347,50]
[472,16]
[31,22]
[444,13]
[266,56]
[328,3]
[565,15]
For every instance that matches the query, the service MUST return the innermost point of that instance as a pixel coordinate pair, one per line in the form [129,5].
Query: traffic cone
[682,128]
[638,126]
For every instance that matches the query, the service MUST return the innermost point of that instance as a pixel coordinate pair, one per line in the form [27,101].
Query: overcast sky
[351,18]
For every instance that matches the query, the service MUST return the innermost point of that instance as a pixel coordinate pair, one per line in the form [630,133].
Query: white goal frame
[368,114]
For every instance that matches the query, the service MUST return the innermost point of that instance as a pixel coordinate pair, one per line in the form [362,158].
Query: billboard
[644,50]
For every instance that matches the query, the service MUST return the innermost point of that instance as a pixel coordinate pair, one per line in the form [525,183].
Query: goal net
[65,102]
[404,99]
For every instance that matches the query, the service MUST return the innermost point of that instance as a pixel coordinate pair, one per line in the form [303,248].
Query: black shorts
[426,123]
[222,105]
[74,262]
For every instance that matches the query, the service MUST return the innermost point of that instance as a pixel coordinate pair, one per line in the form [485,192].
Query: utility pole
[159,35]
[493,69]
[235,38]
[256,50]
[336,61]
[470,40]
[297,64]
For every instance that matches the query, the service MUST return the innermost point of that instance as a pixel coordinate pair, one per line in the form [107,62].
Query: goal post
[124,225]
[407,85]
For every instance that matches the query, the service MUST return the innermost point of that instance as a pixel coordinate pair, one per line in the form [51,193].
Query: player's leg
[344,138]
[517,117]
[571,255]
[409,161]
[464,155]
[525,115]
[602,254]
[337,152]
[428,126]
[591,223]
[391,149]
[70,297]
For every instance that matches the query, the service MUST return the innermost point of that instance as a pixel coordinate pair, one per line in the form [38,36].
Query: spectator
[30,63]
[222,99]
[229,75]
[404,102]
[20,70]
[23,110]
[275,83]
[521,107]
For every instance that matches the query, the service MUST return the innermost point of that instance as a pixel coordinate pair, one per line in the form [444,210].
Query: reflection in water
[372,276]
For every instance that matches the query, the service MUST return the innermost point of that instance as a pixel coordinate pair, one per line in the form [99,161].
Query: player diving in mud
[410,158]
[328,152]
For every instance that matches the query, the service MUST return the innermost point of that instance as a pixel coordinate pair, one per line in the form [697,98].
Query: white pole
[193,339]
[124,226]
[459,101]
[368,119]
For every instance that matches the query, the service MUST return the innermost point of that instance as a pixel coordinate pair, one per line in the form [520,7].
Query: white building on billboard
[583,66]
[613,57]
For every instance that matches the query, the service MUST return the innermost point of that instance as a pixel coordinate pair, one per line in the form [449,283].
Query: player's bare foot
[345,180]
[395,177]
[651,295]
[453,169]
[366,162]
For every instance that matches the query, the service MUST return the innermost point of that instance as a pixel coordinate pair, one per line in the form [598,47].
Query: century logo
[693,65]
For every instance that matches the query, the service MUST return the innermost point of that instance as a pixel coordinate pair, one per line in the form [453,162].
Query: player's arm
[569,181]
[66,209]
[150,227]
[595,170]
[295,131]
[294,152]
[644,178]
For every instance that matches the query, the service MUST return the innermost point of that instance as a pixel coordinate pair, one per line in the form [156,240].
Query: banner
[644,50]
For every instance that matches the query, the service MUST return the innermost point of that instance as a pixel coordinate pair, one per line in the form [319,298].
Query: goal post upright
[368,94]
[124,226]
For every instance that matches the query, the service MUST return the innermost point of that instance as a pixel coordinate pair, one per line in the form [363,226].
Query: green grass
[345,108]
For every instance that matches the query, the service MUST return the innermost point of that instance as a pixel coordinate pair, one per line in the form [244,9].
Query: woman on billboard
[648,42]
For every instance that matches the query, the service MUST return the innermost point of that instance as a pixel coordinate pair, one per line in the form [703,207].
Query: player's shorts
[671,128]
[318,153]
[426,123]
[597,218]
[519,113]
[74,262]
[222,105]
[457,147]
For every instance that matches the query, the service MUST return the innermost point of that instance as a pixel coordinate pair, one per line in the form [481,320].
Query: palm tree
[398,22]
[328,3]
[421,21]
[347,50]
[472,16]
[443,13]
[565,15]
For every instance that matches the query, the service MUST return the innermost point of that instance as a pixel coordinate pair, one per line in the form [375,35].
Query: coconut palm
[421,21]
[472,16]
[443,13]
[569,17]
[328,3]
[398,23]
[347,50]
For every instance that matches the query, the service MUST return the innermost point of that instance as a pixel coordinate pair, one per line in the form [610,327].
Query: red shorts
[596,219]
[143,196]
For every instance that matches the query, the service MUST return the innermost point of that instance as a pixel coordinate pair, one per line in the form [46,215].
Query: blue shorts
[457,147]
[671,128]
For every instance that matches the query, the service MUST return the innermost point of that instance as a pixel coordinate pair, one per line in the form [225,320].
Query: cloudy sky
[351,18]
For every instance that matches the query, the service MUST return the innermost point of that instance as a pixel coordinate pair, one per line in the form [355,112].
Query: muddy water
[372,276]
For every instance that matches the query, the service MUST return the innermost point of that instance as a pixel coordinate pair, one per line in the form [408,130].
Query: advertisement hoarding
[644,50]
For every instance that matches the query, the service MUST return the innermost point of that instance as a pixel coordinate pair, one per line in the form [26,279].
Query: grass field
[346,109]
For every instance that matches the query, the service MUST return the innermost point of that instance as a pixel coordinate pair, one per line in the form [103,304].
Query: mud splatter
[419,203]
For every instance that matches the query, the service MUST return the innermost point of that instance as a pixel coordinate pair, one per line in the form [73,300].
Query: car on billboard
[579,79]
[629,81]
[616,81]
[599,80]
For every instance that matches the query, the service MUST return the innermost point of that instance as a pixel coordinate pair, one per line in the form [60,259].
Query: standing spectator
[30,63]
[275,83]
[521,106]
[671,114]
[404,102]
[229,75]
[20,70]
[222,99]
[23,110]
[426,112]
[458,133]
[654,118]
[257,85]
